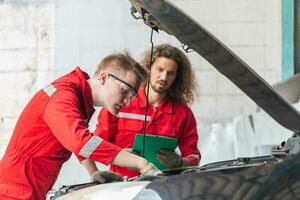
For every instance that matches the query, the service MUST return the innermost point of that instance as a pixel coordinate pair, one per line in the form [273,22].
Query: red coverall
[168,119]
[52,126]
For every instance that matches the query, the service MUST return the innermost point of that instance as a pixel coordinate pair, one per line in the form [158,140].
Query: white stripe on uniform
[133,116]
[90,146]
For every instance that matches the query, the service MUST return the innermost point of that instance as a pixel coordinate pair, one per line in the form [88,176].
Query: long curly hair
[184,86]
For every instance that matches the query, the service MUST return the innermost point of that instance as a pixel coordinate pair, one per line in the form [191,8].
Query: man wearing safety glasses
[55,123]
[127,90]
[171,89]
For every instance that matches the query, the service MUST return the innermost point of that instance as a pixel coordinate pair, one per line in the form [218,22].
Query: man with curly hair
[171,89]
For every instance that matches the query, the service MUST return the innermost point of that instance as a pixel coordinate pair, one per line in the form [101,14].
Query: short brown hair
[183,88]
[122,62]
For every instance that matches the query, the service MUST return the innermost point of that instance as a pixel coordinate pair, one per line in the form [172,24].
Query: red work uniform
[170,119]
[51,127]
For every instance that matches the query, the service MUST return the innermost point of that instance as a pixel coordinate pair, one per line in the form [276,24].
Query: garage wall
[43,39]
[26,55]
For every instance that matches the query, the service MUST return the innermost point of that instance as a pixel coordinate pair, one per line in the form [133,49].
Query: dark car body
[276,176]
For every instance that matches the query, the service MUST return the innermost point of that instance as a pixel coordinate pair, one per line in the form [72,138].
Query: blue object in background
[287,62]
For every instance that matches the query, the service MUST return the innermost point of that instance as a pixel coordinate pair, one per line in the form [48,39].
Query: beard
[159,90]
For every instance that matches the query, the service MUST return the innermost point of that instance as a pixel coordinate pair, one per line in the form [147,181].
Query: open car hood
[162,15]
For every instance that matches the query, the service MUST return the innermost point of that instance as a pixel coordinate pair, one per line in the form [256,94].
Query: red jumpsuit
[52,126]
[168,119]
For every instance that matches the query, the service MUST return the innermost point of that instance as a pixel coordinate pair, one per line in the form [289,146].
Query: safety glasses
[127,90]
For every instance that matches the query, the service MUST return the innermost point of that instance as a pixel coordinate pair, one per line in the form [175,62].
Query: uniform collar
[166,104]
[86,90]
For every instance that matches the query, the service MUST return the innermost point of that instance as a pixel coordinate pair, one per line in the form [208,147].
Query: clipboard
[153,144]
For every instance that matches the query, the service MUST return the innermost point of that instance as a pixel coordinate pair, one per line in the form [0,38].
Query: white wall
[42,39]
[26,54]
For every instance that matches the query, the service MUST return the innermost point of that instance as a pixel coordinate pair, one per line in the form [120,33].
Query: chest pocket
[131,125]
[164,131]
[127,129]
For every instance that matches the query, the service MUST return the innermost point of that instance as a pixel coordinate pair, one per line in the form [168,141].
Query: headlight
[121,190]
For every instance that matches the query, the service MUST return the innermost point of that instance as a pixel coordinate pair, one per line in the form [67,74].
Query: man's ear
[102,77]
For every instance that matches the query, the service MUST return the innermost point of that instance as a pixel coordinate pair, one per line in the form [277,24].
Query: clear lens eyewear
[127,90]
